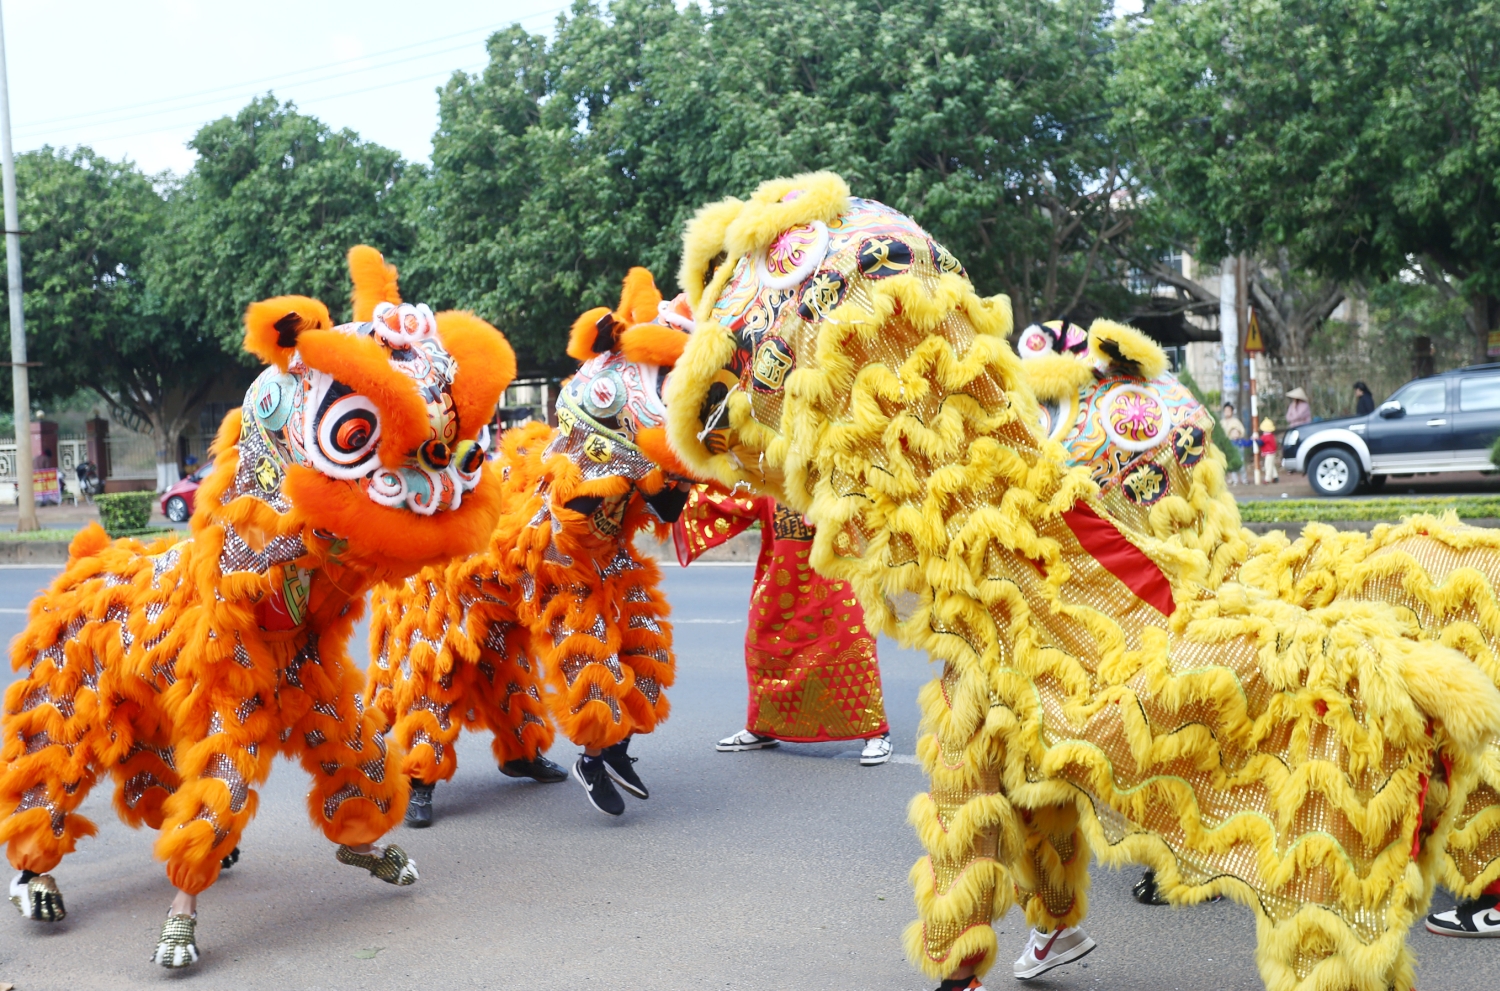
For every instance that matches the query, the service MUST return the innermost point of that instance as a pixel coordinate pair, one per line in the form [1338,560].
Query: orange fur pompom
[639,297]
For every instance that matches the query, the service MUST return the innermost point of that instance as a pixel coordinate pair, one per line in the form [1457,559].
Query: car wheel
[177,510]
[1334,471]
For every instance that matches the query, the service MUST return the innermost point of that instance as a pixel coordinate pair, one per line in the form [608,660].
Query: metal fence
[71,452]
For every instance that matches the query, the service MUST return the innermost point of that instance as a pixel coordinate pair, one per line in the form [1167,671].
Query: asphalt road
[775,871]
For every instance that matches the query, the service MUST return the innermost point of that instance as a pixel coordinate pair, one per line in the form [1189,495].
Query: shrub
[125,514]
[1379,510]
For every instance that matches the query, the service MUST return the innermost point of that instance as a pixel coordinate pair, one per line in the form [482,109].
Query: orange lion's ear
[272,326]
[374,282]
[486,365]
[639,298]
[593,334]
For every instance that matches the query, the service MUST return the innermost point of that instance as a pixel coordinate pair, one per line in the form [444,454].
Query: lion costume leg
[507,695]
[417,680]
[971,831]
[59,731]
[445,662]
[357,794]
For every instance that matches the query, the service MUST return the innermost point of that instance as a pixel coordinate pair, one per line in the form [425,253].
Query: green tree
[564,162]
[271,206]
[92,319]
[1363,136]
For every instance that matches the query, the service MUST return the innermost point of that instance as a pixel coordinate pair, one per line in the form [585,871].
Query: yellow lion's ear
[703,246]
[1128,351]
[272,326]
[374,282]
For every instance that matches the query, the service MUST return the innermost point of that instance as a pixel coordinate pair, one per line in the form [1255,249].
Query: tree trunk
[165,433]
[1482,313]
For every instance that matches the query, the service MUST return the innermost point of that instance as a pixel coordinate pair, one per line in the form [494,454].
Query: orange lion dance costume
[561,592]
[184,669]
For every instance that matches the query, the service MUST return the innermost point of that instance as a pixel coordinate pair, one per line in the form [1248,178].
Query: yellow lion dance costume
[184,669]
[1441,574]
[1100,691]
[560,589]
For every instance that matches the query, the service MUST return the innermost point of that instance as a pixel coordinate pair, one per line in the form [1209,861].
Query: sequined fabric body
[812,666]
[1440,574]
[1095,694]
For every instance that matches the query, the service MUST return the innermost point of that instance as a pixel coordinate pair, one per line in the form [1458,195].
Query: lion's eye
[434,454]
[470,456]
[349,430]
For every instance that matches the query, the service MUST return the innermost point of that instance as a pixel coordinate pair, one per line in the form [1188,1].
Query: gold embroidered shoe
[178,945]
[392,866]
[36,896]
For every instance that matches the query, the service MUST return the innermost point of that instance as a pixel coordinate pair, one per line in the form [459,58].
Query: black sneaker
[419,807]
[592,774]
[619,764]
[961,984]
[1478,919]
[1145,890]
[538,768]
[230,860]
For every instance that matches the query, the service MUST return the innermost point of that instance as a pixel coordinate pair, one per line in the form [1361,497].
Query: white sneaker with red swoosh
[1047,950]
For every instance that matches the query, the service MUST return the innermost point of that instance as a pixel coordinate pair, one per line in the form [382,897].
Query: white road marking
[19,612]
[31,567]
[674,622]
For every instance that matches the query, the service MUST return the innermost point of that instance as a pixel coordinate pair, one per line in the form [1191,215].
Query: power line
[40,128]
[330,96]
[284,78]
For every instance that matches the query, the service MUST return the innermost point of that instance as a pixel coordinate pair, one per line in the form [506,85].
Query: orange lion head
[375,432]
[627,354]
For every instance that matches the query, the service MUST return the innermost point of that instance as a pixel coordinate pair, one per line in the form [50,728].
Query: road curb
[1363,526]
[33,552]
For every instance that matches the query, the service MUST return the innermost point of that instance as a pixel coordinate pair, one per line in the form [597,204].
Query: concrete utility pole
[1229,335]
[20,383]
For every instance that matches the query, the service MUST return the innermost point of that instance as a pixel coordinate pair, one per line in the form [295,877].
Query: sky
[136,79]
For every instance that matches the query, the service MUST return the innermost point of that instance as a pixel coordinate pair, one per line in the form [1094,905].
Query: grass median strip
[28,536]
[1391,510]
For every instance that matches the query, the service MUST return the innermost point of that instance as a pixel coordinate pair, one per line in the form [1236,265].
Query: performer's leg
[220,759]
[507,697]
[646,651]
[973,835]
[416,680]
[1054,890]
[47,766]
[357,795]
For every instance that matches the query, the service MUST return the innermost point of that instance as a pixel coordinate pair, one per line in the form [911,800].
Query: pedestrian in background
[1235,431]
[1364,403]
[1268,451]
[1298,411]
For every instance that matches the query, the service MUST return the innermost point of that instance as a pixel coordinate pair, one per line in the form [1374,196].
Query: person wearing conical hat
[1299,410]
